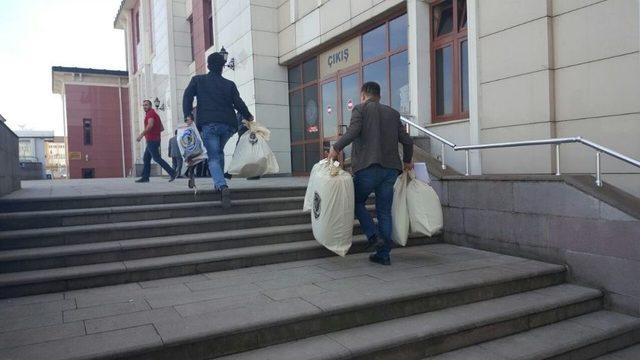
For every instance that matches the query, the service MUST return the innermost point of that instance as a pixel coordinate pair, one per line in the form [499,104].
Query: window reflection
[400,82]
[444,81]
[377,72]
[464,71]
[398,32]
[374,43]
[311,126]
[295,116]
[443,18]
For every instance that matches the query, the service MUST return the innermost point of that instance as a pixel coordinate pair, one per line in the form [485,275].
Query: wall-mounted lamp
[231,63]
[156,102]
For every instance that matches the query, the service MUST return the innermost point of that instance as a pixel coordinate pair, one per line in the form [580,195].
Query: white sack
[425,211]
[333,205]
[313,177]
[253,156]
[191,146]
[400,211]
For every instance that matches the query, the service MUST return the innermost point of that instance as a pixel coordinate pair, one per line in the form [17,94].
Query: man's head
[146,105]
[215,63]
[370,91]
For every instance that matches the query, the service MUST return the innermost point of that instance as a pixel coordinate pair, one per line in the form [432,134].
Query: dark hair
[175,132]
[215,62]
[371,88]
[147,101]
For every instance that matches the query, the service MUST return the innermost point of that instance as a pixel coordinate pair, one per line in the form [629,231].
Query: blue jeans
[215,136]
[152,151]
[380,181]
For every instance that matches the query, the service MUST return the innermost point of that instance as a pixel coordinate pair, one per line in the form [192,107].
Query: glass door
[349,98]
[329,111]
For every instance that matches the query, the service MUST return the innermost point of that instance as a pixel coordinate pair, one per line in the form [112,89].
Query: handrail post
[466,162]
[444,167]
[598,170]
[557,159]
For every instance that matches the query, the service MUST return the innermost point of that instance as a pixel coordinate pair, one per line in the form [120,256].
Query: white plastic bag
[313,177]
[332,206]
[191,146]
[400,211]
[425,211]
[253,156]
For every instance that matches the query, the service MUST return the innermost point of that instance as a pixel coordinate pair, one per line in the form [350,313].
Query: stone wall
[9,180]
[550,220]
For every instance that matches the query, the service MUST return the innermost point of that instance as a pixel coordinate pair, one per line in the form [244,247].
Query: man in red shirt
[152,129]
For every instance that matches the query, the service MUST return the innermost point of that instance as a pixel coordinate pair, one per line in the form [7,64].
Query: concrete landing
[37,189]
[123,318]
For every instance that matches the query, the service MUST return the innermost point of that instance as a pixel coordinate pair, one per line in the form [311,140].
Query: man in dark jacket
[218,98]
[375,131]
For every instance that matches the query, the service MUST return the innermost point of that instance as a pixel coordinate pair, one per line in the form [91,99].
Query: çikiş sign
[340,57]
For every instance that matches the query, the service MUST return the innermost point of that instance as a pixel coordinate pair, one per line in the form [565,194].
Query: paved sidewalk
[101,320]
[87,187]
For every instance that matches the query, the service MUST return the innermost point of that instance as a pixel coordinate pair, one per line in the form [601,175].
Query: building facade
[472,71]
[96,121]
[56,157]
[32,153]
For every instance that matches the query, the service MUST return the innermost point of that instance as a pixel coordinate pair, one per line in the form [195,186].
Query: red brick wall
[198,36]
[101,105]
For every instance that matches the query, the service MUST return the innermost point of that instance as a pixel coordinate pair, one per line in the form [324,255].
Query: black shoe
[172,178]
[228,176]
[379,260]
[372,243]
[254,178]
[142,180]
[225,197]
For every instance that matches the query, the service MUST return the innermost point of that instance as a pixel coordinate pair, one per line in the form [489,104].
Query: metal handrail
[553,141]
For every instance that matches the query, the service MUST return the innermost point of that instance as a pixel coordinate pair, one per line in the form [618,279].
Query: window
[87,132]
[150,11]
[374,43]
[136,27]
[377,72]
[320,105]
[304,116]
[88,173]
[449,54]
[190,21]
[208,23]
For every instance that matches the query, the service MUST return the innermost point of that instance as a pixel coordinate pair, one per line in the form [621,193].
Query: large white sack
[308,196]
[333,207]
[400,211]
[253,156]
[191,146]
[425,211]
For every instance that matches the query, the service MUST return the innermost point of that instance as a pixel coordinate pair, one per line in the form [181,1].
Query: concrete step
[121,250]
[583,337]
[89,216]
[415,336]
[23,283]
[132,199]
[82,234]
[630,353]
[215,314]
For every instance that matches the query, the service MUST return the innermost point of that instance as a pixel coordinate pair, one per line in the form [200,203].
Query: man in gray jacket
[174,154]
[375,132]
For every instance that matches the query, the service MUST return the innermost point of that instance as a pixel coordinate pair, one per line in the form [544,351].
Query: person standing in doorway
[152,129]
[218,99]
[174,154]
[375,132]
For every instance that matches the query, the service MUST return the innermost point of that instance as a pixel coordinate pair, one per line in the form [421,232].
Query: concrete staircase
[170,276]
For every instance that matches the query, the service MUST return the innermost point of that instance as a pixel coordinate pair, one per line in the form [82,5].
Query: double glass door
[339,95]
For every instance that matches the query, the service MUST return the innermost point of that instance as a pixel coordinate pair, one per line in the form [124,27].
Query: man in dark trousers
[375,131]
[152,129]
[218,98]
[174,154]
